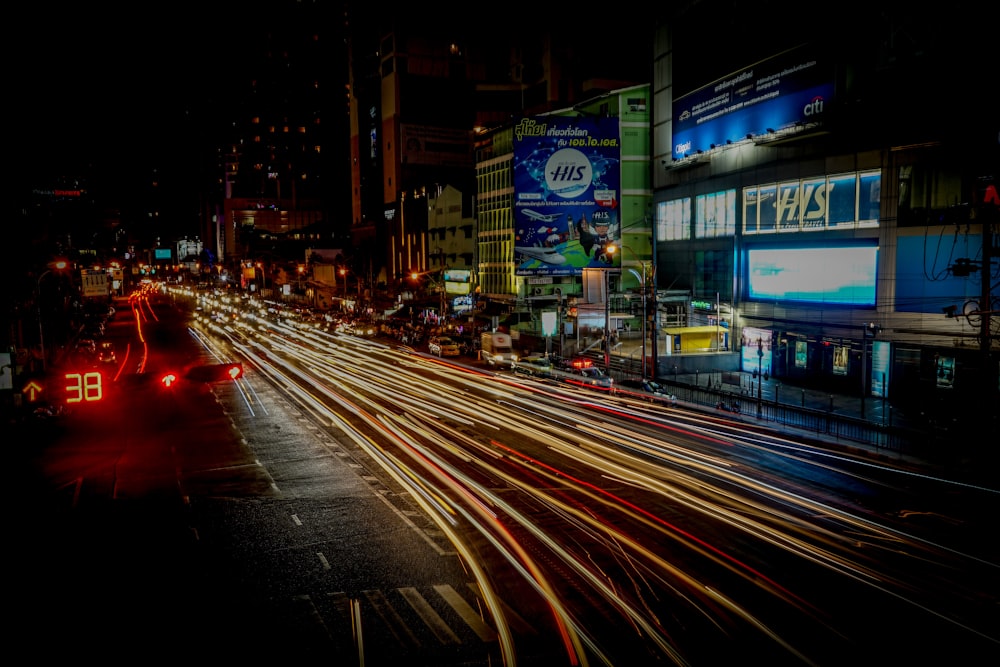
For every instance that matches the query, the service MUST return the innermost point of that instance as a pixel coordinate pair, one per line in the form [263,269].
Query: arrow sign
[32,389]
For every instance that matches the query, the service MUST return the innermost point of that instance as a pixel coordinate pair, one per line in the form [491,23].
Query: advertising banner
[567,191]
[881,358]
[755,350]
[793,87]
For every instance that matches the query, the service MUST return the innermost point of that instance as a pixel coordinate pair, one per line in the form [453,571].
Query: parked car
[443,346]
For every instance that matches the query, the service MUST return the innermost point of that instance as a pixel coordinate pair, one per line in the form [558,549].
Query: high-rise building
[422,87]
[284,160]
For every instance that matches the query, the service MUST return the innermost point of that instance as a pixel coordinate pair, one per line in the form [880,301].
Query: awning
[707,329]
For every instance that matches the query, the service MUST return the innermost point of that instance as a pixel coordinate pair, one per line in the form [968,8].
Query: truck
[497,349]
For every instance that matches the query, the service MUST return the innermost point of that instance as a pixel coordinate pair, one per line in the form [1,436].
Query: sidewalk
[774,394]
[773,390]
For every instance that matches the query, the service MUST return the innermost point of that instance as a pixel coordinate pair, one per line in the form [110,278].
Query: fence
[893,439]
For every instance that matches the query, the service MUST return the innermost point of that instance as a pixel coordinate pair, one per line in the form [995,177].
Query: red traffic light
[215,372]
[169,379]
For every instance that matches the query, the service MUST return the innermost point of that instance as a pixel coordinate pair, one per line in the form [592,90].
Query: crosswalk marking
[514,620]
[413,619]
[467,613]
[397,626]
[430,617]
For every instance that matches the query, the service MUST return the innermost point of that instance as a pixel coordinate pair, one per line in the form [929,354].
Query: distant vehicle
[106,353]
[658,392]
[582,372]
[497,348]
[443,346]
[362,329]
[536,365]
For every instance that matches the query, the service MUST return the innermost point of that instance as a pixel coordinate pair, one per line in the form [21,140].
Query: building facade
[423,89]
[580,250]
[833,196]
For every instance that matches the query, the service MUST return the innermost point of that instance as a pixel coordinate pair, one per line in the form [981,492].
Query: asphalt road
[239,520]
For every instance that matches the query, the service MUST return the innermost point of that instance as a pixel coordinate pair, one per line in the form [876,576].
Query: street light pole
[38,303]
[60,265]
[607,321]
[760,373]
[645,313]
[645,316]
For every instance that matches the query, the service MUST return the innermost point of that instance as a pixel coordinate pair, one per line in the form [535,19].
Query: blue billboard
[567,192]
[790,88]
[830,275]
[924,280]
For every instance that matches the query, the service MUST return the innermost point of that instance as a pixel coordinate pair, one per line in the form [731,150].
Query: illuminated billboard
[790,88]
[830,275]
[567,191]
[755,350]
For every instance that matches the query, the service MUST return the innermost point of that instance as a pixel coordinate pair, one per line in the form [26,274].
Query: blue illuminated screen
[843,275]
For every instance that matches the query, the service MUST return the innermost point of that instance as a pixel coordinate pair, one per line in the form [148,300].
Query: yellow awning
[711,328]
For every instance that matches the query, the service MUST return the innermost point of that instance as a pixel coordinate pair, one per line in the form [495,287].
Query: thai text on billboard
[567,192]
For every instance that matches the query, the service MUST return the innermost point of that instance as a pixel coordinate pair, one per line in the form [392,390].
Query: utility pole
[607,321]
[760,373]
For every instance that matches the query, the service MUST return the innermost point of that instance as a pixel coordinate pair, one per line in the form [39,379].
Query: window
[715,214]
[844,201]
[673,220]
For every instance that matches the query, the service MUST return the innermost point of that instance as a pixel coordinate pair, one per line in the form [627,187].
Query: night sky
[115,95]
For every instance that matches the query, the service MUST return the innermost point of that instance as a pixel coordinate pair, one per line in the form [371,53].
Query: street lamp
[760,373]
[263,277]
[343,273]
[607,318]
[645,312]
[58,266]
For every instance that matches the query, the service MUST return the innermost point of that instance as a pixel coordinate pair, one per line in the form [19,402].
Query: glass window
[673,220]
[767,208]
[842,200]
[715,214]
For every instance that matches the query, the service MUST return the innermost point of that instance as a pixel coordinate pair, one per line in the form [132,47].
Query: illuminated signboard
[755,350]
[793,87]
[567,191]
[842,201]
[881,360]
[830,275]
[457,275]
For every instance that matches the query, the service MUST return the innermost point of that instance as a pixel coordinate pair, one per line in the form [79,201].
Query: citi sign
[815,107]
